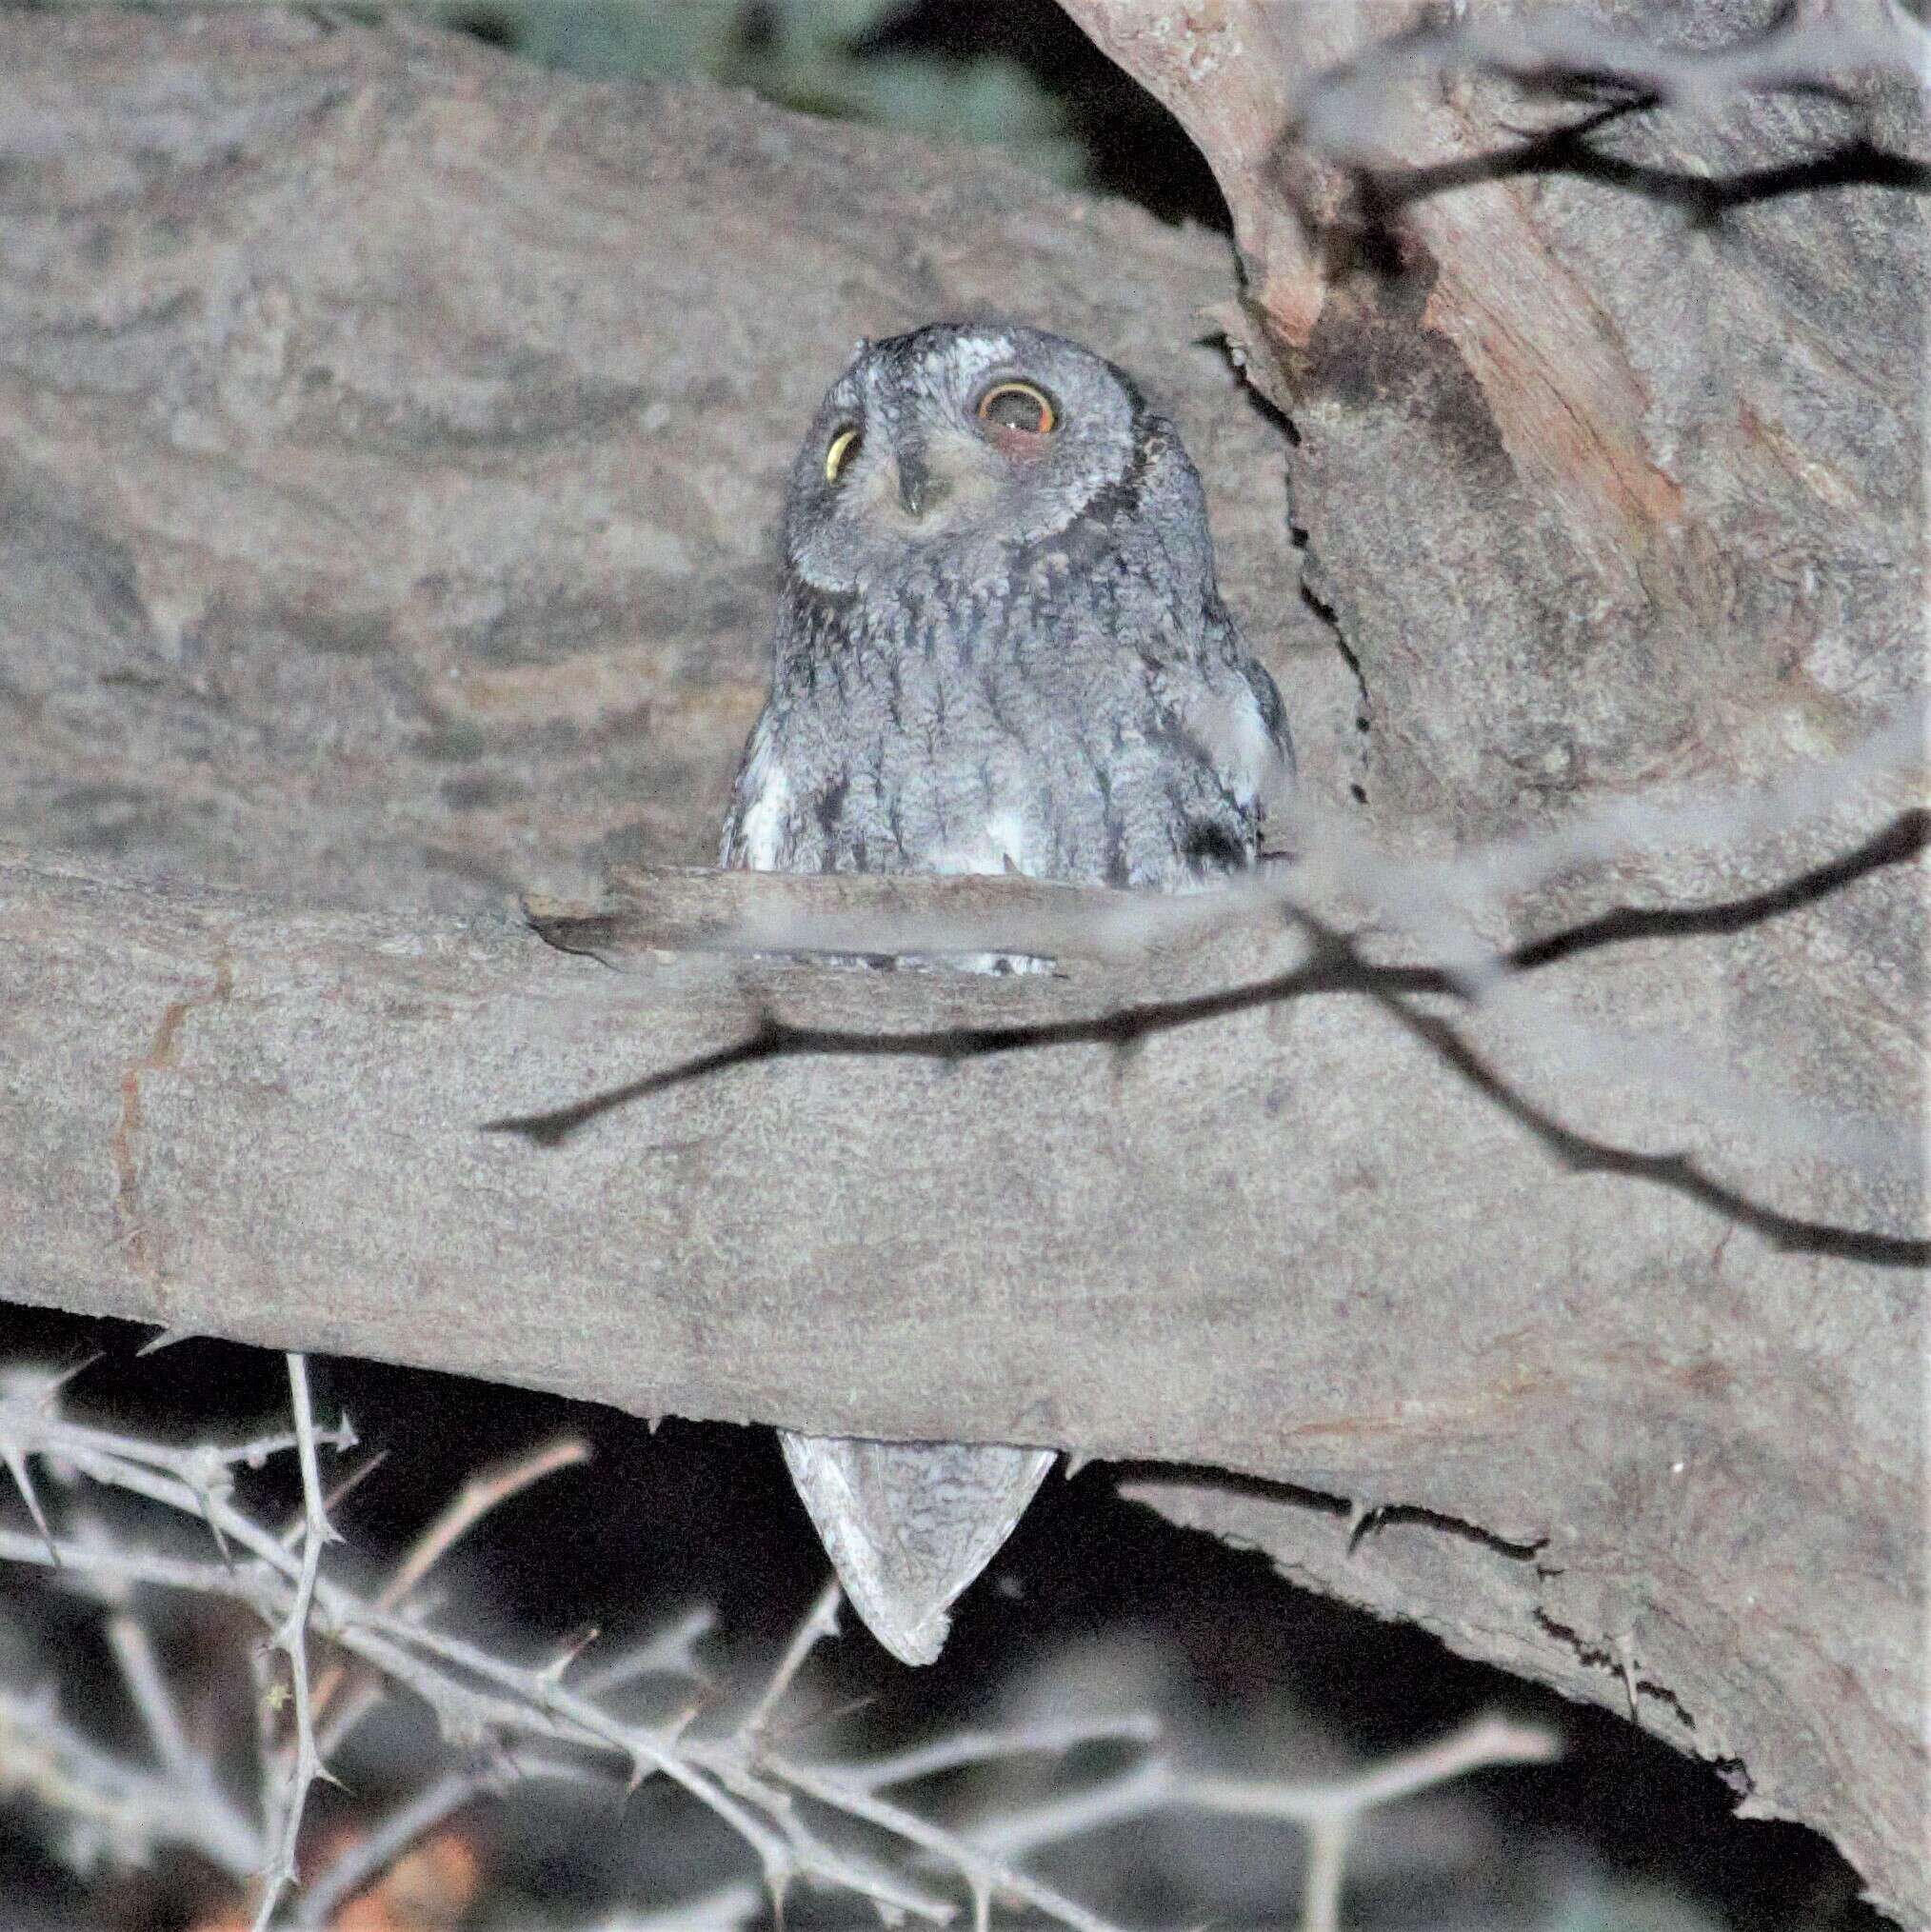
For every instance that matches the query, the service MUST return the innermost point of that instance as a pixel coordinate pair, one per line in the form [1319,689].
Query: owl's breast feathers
[1060,720]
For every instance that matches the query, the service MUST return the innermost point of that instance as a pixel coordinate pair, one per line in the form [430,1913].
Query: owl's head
[955,443]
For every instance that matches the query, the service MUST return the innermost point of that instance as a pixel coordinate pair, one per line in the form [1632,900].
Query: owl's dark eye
[1019,405]
[844,447]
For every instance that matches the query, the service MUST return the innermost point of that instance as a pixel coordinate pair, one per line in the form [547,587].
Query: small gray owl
[1001,649]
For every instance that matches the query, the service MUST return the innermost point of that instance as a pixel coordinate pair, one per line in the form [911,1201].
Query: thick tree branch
[1186,1174]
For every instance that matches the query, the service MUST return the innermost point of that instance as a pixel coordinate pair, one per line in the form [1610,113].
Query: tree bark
[390,441]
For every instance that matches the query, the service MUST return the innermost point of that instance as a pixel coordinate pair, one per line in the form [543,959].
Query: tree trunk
[391,446]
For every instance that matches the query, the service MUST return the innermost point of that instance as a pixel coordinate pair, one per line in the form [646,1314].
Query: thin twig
[486,1491]
[975,1747]
[147,1689]
[367,1857]
[291,1639]
[818,1622]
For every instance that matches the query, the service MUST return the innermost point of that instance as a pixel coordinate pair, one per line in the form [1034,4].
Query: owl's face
[950,446]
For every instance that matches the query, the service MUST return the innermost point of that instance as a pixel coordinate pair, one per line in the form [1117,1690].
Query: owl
[1001,649]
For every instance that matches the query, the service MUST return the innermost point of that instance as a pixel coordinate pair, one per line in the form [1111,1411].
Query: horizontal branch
[1303,1236]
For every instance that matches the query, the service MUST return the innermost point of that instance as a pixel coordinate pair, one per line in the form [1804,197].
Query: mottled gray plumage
[1001,649]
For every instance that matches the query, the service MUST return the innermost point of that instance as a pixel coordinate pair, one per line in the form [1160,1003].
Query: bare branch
[291,1639]
[141,1673]
[110,1805]
[1348,112]
[973,1748]
[365,1859]
[1444,903]
[485,1701]
[1330,1812]
[818,1622]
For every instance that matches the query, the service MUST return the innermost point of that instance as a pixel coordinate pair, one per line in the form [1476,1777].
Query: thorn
[80,1367]
[573,1647]
[214,1529]
[166,1338]
[16,1467]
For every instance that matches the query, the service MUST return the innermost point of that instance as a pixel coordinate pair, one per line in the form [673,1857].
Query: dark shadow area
[1064,101]
[1134,147]
[1093,1598]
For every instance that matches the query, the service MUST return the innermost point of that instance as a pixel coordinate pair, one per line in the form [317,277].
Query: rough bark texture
[390,446]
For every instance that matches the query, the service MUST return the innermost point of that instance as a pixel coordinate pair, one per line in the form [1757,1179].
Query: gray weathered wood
[390,445]
[1291,1241]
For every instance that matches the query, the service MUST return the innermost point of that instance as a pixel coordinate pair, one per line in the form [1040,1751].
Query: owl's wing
[1256,750]
[760,830]
[1232,716]
[1274,755]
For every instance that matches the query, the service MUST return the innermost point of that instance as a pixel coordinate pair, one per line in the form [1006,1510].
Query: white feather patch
[1255,756]
[1003,845]
[761,831]
[1234,729]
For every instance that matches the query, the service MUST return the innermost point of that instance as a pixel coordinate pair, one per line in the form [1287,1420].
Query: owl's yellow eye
[1018,406]
[839,454]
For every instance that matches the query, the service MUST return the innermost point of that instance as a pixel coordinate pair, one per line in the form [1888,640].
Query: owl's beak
[919,490]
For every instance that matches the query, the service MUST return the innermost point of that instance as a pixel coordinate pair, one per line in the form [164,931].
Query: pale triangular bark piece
[907,1526]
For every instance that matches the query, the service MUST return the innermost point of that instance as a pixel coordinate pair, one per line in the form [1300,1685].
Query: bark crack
[1613,1654]
[1365,1519]
[1302,539]
[138,1245]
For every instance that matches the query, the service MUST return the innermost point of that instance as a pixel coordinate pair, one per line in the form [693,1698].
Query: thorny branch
[1329,1812]
[291,1639]
[484,1703]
